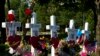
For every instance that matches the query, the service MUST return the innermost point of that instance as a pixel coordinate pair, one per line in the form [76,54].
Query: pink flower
[83,54]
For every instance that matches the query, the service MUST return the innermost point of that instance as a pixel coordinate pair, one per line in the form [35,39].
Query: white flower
[11,51]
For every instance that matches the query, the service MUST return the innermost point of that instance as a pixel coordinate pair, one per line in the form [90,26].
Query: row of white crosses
[53,30]
[12,27]
[35,29]
[72,32]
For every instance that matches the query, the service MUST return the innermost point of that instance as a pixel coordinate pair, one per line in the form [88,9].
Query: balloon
[14,41]
[34,41]
[11,17]
[28,11]
[79,33]
[55,42]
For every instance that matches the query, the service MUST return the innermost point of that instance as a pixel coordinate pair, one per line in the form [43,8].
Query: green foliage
[64,10]
[4,50]
[14,4]
[21,12]
[89,17]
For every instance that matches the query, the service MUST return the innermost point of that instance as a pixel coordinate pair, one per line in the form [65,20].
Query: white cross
[34,30]
[87,33]
[53,27]
[11,26]
[72,32]
[33,25]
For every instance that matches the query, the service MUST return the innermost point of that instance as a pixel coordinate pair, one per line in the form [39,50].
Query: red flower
[34,41]
[28,11]
[11,17]
[55,42]
[14,41]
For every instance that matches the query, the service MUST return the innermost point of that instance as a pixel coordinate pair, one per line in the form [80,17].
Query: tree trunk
[2,19]
[98,28]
